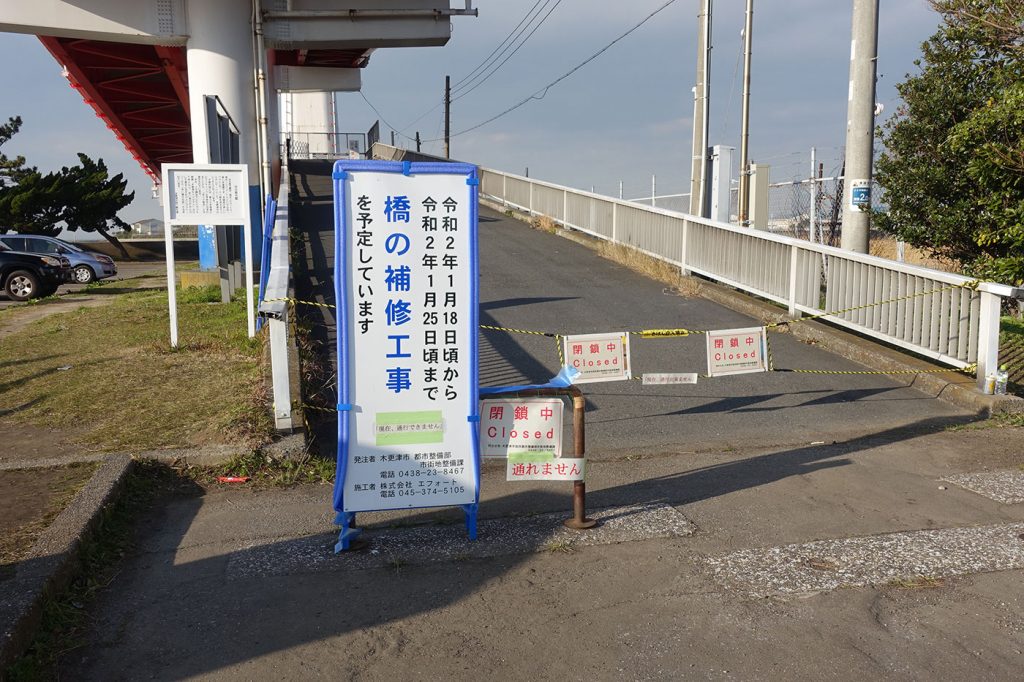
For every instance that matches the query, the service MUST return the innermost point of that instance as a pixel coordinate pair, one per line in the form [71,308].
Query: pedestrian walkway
[236,584]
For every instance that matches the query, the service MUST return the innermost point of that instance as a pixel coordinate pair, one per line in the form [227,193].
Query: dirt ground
[29,500]
[26,443]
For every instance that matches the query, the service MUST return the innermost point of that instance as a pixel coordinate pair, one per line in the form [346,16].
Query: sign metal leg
[471,510]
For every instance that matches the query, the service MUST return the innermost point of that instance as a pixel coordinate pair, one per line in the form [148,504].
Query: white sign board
[510,427]
[737,351]
[598,357]
[211,194]
[407,336]
[527,468]
[663,379]
[206,194]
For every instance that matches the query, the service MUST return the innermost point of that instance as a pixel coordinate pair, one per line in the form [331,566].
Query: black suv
[30,275]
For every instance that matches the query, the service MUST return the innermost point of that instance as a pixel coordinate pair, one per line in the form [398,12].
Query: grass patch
[1012,330]
[264,471]
[559,547]
[65,618]
[126,388]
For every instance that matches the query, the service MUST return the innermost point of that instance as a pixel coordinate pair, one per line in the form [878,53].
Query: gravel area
[396,547]
[1002,486]
[874,560]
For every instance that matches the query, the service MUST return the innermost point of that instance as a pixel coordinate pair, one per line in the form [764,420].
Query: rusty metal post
[579,520]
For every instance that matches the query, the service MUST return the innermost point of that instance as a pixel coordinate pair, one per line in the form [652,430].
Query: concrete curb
[954,387]
[53,561]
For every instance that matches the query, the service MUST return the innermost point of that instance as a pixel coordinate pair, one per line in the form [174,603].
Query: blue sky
[623,117]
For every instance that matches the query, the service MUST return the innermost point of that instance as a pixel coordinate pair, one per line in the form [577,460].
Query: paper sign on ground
[737,351]
[598,357]
[512,427]
[661,379]
[538,468]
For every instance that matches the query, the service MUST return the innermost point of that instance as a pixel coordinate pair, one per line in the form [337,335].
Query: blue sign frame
[342,168]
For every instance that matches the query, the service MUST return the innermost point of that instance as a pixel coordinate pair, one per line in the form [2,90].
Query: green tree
[10,169]
[81,197]
[952,169]
[92,199]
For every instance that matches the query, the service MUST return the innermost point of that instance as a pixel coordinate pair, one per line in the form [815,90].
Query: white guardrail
[274,309]
[949,318]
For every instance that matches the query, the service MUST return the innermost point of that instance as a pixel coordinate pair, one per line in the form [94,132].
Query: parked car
[86,265]
[32,275]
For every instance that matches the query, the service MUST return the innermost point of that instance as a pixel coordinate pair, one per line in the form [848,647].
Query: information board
[737,351]
[406,285]
[205,194]
[212,194]
[598,357]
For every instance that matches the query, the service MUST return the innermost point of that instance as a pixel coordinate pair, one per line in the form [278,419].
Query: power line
[381,117]
[500,45]
[467,88]
[513,34]
[544,91]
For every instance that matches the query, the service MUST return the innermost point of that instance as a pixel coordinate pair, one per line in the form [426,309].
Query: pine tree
[81,197]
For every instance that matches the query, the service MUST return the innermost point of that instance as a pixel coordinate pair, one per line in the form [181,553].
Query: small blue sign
[860,197]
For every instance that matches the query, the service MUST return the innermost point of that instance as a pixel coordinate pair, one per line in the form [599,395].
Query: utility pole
[447,116]
[744,198]
[417,141]
[812,223]
[699,166]
[392,138]
[860,126]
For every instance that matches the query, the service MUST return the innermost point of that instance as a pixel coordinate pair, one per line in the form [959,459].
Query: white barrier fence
[947,317]
[275,309]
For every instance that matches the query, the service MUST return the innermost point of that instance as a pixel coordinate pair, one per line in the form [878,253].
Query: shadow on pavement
[177,618]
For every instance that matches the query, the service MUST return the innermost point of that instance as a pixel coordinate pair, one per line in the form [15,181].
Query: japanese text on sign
[207,197]
[526,468]
[737,351]
[409,298]
[663,379]
[525,426]
[598,357]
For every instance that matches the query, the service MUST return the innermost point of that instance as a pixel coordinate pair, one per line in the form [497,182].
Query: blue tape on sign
[339,175]
[473,418]
[406,167]
[472,182]
[344,407]
[563,379]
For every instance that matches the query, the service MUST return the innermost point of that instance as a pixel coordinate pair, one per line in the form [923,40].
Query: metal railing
[274,308]
[300,145]
[949,318]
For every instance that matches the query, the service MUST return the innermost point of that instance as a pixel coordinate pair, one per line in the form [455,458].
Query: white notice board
[206,194]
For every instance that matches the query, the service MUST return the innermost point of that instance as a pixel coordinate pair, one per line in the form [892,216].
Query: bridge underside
[141,91]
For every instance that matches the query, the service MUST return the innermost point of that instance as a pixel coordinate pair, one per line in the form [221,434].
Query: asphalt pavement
[533,280]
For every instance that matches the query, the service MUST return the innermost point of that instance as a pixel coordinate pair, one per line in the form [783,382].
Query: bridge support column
[219,53]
